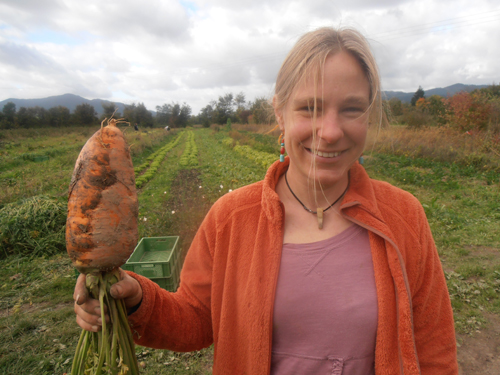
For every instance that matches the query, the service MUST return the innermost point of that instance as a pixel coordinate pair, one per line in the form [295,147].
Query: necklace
[319,211]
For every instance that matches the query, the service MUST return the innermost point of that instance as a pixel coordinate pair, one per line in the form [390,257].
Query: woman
[317,268]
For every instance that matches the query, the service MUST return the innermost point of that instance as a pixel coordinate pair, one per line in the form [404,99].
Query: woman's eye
[310,109]
[354,109]
[307,108]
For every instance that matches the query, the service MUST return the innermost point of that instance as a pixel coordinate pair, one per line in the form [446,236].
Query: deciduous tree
[9,115]
[108,110]
[467,111]
[224,108]
[59,116]
[85,114]
[262,111]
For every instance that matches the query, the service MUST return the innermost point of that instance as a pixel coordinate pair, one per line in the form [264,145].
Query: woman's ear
[279,115]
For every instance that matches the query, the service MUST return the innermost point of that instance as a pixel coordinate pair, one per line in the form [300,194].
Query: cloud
[25,58]
[159,51]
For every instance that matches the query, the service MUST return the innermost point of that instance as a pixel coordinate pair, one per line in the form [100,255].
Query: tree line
[86,115]
[474,111]
[235,108]
[230,107]
[478,110]
[60,116]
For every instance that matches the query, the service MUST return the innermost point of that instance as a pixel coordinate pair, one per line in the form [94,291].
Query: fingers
[87,309]
[88,320]
[127,289]
[89,316]
[80,294]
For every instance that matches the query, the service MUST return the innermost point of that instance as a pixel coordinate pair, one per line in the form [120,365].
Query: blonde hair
[309,54]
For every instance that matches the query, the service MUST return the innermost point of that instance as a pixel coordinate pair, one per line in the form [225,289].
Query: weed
[33,226]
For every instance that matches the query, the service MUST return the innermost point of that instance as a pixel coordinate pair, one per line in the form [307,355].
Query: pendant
[320,218]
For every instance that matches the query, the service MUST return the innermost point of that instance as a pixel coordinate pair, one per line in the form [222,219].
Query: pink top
[325,313]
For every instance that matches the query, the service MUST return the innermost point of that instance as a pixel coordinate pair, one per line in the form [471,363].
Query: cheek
[298,129]
[359,133]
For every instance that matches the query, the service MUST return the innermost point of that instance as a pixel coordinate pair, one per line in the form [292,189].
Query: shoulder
[396,203]
[246,198]
[391,195]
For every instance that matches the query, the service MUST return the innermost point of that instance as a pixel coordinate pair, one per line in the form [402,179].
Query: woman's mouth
[325,154]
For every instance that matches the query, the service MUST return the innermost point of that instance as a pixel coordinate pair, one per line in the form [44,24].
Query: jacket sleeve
[432,312]
[180,321]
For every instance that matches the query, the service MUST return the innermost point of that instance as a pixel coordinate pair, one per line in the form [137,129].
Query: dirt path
[479,354]
[189,203]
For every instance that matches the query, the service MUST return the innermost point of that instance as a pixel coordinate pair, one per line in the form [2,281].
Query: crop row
[155,159]
[189,157]
[265,159]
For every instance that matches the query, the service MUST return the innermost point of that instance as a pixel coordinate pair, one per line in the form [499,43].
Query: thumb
[116,291]
[127,289]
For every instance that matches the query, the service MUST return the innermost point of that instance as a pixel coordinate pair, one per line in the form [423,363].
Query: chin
[329,177]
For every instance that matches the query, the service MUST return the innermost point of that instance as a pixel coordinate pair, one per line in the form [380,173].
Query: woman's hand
[87,309]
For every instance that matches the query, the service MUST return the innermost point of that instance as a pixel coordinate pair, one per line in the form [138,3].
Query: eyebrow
[350,100]
[356,100]
[304,101]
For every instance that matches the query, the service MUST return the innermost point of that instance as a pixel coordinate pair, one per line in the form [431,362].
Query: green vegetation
[461,204]
[33,227]
[456,178]
[189,158]
[153,162]
[474,112]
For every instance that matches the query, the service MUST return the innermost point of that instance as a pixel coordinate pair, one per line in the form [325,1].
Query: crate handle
[147,265]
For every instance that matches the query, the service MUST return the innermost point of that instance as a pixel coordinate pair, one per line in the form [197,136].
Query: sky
[163,51]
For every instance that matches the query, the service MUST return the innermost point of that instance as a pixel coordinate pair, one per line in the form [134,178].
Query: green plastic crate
[154,257]
[170,283]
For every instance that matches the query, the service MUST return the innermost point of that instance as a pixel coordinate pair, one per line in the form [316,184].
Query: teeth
[327,154]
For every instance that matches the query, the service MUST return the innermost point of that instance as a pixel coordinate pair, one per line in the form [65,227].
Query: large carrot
[101,233]
[101,229]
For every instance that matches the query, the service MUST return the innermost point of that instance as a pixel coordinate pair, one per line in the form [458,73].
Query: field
[458,187]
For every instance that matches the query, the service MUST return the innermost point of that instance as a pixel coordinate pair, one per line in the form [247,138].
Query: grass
[36,312]
[461,204]
[23,178]
[32,226]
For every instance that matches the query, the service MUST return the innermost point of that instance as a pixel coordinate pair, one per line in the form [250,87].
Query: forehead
[340,74]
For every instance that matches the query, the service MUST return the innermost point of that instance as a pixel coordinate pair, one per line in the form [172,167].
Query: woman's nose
[330,127]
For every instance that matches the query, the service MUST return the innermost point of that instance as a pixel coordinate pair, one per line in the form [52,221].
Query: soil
[189,203]
[35,307]
[479,354]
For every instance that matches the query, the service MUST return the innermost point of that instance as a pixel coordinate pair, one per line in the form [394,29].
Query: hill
[441,91]
[69,101]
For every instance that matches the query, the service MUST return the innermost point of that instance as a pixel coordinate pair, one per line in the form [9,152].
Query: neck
[315,194]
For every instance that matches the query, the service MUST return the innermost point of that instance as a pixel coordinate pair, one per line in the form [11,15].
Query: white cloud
[159,51]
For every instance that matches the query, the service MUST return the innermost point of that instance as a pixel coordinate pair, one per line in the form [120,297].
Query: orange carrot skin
[101,227]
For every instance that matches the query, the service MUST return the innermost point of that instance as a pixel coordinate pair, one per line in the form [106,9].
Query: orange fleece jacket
[229,277]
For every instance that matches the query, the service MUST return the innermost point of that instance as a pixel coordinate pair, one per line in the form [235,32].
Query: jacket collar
[360,194]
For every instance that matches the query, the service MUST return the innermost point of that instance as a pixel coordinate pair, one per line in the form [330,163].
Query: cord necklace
[319,211]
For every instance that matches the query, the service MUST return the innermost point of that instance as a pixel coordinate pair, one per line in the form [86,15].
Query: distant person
[167,128]
[316,269]
[136,127]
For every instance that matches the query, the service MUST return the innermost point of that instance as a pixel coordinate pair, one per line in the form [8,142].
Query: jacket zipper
[407,287]
[275,284]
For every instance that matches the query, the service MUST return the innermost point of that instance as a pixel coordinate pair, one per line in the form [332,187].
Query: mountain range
[405,97]
[70,101]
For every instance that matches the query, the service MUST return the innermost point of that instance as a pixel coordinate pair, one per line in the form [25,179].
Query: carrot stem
[112,350]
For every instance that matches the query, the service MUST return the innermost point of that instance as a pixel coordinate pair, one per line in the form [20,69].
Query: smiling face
[325,124]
